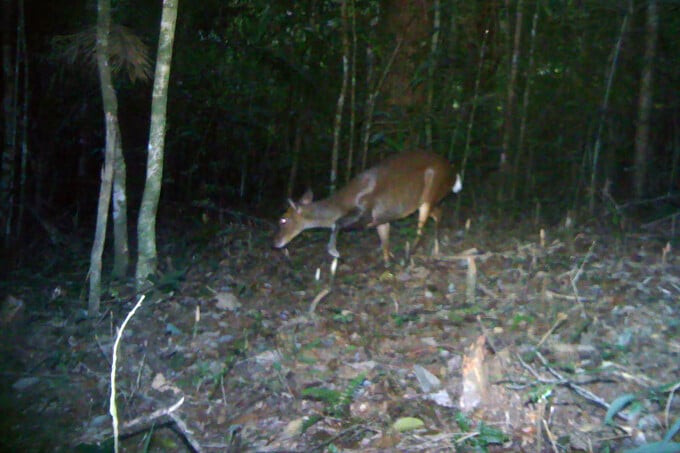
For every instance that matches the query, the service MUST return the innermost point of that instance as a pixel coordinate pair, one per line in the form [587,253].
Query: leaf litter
[509,340]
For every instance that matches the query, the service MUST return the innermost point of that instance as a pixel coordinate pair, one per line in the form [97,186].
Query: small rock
[428,381]
[227,301]
[24,383]
[442,398]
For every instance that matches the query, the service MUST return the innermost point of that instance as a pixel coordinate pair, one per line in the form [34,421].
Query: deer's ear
[307,197]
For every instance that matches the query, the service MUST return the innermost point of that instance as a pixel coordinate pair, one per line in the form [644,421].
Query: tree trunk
[510,103]
[9,104]
[147,259]
[297,145]
[373,93]
[604,107]
[370,105]
[121,251]
[341,97]
[642,154]
[23,168]
[434,50]
[352,95]
[405,100]
[525,109]
[110,105]
[471,120]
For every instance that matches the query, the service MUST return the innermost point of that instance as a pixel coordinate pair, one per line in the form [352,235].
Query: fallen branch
[113,409]
[587,394]
[561,380]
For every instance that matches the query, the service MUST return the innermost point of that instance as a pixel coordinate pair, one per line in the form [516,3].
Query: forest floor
[508,340]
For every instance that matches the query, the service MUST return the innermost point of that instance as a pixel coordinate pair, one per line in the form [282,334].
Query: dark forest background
[515,93]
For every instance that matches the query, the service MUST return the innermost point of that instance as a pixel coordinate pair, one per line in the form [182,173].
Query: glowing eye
[283,221]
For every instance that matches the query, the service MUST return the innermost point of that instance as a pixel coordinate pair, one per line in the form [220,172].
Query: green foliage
[521,321]
[405,318]
[617,406]
[344,317]
[169,281]
[310,421]
[656,447]
[336,402]
[483,437]
[541,393]
[632,401]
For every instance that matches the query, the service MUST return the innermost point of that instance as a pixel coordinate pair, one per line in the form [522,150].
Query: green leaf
[407,424]
[672,431]
[656,447]
[463,422]
[491,435]
[322,394]
[617,405]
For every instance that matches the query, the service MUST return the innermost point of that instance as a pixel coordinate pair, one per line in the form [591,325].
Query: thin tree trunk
[510,103]
[525,108]
[370,105]
[352,95]
[372,98]
[605,106]
[121,251]
[675,160]
[642,152]
[430,73]
[110,105]
[21,50]
[7,178]
[471,120]
[147,259]
[297,145]
[341,97]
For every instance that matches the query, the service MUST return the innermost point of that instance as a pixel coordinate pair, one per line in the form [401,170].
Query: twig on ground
[587,394]
[186,432]
[317,299]
[146,419]
[358,428]
[576,277]
[487,335]
[550,436]
[561,380]
[560,317]
[113,409]
[668,404]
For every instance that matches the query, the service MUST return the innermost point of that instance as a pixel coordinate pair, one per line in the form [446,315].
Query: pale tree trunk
[341,97]
[121,252]
[110,105]
[430,73]
[642,153]
[605,105]
[9,104]
[510,103]
[147,259]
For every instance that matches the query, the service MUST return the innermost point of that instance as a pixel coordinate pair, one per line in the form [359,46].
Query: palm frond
[127,52]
